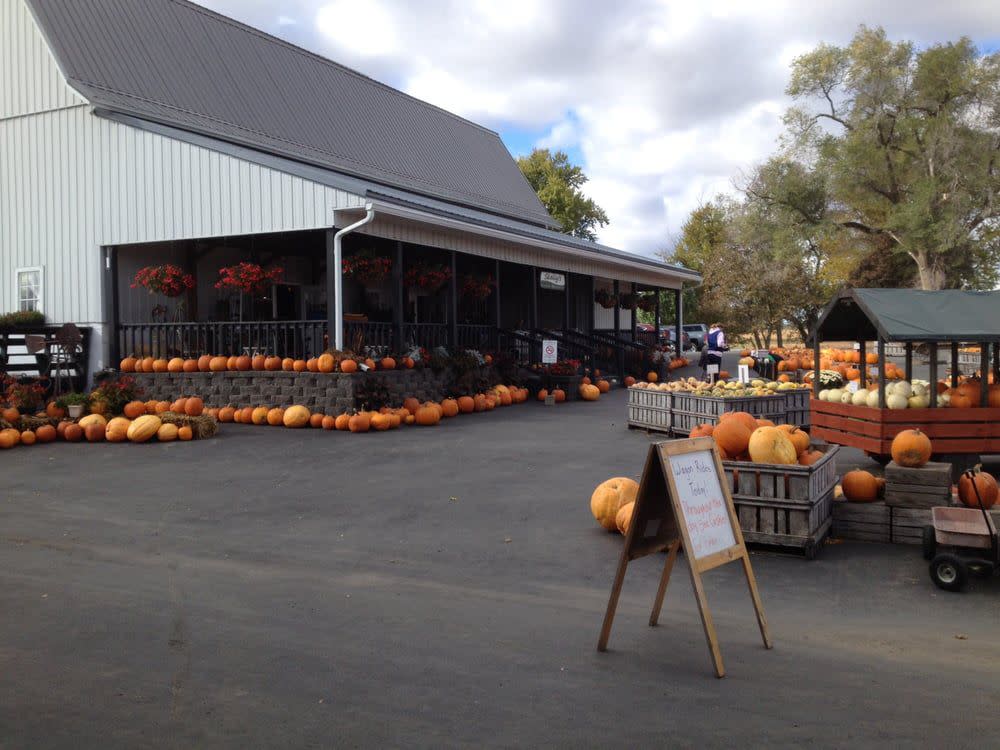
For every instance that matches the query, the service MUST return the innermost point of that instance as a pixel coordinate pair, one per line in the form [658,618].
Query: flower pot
[75,411]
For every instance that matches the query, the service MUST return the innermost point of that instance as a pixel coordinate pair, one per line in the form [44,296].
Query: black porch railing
[16,360]
[298,339]
[369,334]
[427,335]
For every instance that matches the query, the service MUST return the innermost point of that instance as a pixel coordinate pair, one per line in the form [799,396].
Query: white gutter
[404,212]
[338,275]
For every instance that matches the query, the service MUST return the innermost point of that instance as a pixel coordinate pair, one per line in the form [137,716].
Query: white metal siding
[489,247]
[30,80]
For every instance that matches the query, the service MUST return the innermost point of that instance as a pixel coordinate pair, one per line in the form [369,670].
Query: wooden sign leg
[664,580]
[706,620]
[758,607]
[609,616]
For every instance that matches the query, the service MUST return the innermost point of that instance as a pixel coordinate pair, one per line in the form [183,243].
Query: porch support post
[397,299]
[496,301]
[590,317]
[656,318]
[615,287]
[678,315]
[566,303]
[617,312]
[863,364]
[908,362]
[534,298]
[632,315]
[109,296]
[984,374]
[881,372]
[954,364]
[933,373]
[331,290]
[453,303]
[816,370]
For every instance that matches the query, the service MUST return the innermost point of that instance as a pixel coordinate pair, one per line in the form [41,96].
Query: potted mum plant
[168,280]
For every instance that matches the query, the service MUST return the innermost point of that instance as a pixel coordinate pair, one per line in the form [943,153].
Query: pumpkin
[145,365]
[860,486]
[732,435]
[449,407]
[178,406]
[259,415]
[589,392]
[747,360]
[911,448]
[559,395]
[287,364]
[652,377]
[128,364]
[257,362]
[46,433]
[505,399]
[175,365]
[272,363]
[275,416]
[764,423]
[629,381]
[799,438]
[167,433]
[161,406]
[603,386]
[466,404]
[747,420]
[491,401]
[387,363]
[769,445]
[960,401]
[231,363]
[11,414]
[194,407]
[348,366]
[381,422]
[160,365]
[543,394]
[609,497]
[218,364]
[585,380]
[316,420]
[702,430]
[427,416]
[326,363]
[296,416]
[623,518]
[204,362]
[411,404]
[328,422]
[312,364]
[54,411]
[143,428]
[808,458]
[247,413]
[28,437]
[342,422]
[93,419]
[982,481]
[9,438]
[244,363]
[408,362]
[190,365]
[370,363]
[185,433]
[360,422]
[117,430]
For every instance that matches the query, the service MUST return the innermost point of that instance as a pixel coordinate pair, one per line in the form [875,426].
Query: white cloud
[667,100]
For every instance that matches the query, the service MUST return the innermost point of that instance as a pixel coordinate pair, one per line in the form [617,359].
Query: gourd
[769,445]
[296,416]
[864,398]
[143,428]
[896,401]
[911,448]
[609,497]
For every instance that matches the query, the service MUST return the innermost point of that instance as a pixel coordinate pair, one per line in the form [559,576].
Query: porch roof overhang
[411,217]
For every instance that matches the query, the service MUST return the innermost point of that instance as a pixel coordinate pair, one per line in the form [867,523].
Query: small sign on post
[743,373]
[683,502]
[712,371]
[550,352]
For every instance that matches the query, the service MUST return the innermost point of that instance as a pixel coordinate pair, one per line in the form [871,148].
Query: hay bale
[33,423]
[202,426]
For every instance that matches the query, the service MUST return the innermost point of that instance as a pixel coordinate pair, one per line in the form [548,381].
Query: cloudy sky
[663,102]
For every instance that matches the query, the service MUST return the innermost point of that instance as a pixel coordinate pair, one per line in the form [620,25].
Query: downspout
[338,274]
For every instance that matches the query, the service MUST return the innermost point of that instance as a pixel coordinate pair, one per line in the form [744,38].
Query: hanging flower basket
[647,303]
[477,287]
[605,299]
[168,280]
[247,278]
[628,301]
[367,268]
[430,278]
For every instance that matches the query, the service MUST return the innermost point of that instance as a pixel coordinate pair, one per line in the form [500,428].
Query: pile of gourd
[723,388]
[900,394]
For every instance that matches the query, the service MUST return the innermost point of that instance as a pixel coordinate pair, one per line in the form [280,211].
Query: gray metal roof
[176,63]
[375,191]
[911,315]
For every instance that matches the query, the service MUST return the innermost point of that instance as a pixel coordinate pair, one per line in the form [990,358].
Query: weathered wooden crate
[648,409]
[797,407]
[906,525]
[878,522]
[753,481]
[924,487]
[715,406]
[648,397]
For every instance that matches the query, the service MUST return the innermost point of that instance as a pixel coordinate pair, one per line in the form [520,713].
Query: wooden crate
[715,406]
[924,487]
[753,481]
[878,522]
[872,430]
[648,409]
[786,523]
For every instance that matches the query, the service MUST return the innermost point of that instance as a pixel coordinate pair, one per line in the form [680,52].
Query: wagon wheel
[949,572]
[929,541]
[810,549]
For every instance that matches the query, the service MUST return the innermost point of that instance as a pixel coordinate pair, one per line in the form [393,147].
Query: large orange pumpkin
[296,416]
[226,414]
[449,407]
[411,404]
[348,366]
[652,377]
[427,416]
[982,481]
[603,386]
[589,392]
[11,437]
[218,364]
[387,363]
[769,445]
[134,409]
[329,422]
[342,422]
[747,420]
[146,365]
[312,364]
[287,364]
[28,437]
[243,363]
[316,420]
[257,362]
[360,422]
[609,497]
[231,363]
[911,448]
[194,406]
[117,430]
[46,433]
[466,404]
[190,365]
[326,363]
[275,416]
[733,436]
[272,364]
[559,395]
[860,486]
[128,364]
[205,362]
[175,365]
[259,415]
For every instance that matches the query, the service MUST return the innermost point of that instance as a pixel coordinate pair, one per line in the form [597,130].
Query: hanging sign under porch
[683,503]
[550,280]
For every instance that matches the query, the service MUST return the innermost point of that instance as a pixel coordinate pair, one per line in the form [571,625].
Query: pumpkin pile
[901,394]
[740,436]
[722,388]
[326,363]
[612,503]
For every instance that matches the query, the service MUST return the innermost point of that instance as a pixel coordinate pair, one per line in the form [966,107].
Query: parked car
[698,333]
[668,334]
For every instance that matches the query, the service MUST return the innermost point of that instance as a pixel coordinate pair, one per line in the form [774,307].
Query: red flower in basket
[248,278]
[427,277]
[477,287]
[368,268]
[168,280]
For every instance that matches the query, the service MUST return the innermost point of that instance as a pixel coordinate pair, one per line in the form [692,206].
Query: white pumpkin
[918,402]
[845,397]
[895,401]
[919,389]
[833,395]
[871,399]
[859,397]
[902,388]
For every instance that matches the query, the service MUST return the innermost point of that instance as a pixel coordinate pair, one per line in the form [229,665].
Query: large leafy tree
[903,146]
[559,186]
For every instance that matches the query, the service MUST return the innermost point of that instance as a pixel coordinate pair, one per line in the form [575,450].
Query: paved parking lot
[440,588]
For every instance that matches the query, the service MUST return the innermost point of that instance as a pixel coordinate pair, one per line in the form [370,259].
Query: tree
[558,184]
[905,144]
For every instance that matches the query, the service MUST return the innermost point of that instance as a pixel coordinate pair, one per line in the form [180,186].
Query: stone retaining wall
[332,393]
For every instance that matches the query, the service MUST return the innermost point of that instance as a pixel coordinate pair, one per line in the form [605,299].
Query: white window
[29,289]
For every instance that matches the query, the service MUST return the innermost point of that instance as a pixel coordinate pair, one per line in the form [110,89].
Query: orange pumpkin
[360,422]
[73,433]
[226,414]
[808,458]
[427,416]
[28,437]
[178,406]
[387,363]
[10,437]
[175,365]
[128,364]
[629,381]
[194,406]
[449,407]
[257,362]
[299,365]
[342,422]
[370,363]
[348,366]
[543,394]
[326,363]
[411,404]
[287,364]
[911,448]
[733,436]
[205,363]
[54,411]
[466,405]
[218,364]
[559,394]
[652,377]
[984,483]
[585,380]
[312,364]
[860,486]
[243,363]
[381,422]
[329,422]
[259,415]
[747,420]
[296,416]
[702,430]
[160,365]
[184,432]
[799,438]
[316,420]
[46,433]
[272,364]
[603,386]
[589,392]
[276,416]
[11,414]
[408,363]
[231,363]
